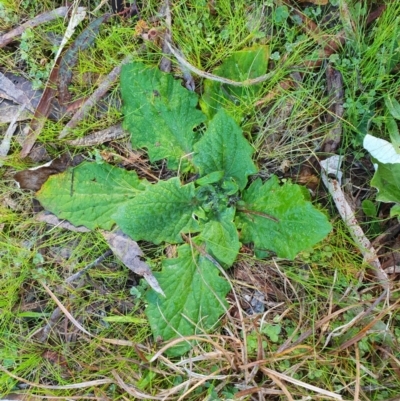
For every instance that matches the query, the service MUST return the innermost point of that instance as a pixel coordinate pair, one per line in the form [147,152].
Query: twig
[165,63]
[332,166]
[93,99]
[80,273]
[106,135]
[40,19]
[335,90]
[216,78]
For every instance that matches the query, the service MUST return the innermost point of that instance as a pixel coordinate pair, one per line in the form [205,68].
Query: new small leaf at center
[221,237]
[224,148]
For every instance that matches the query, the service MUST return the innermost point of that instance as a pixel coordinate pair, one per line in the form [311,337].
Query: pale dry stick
[38,20]
[212,77]
[93,99]
[332,166]
[165,64]
[99,6]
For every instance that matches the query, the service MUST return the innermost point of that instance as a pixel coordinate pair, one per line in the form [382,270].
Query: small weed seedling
[208,216]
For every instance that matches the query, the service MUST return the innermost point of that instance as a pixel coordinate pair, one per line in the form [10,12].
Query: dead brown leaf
[129,252]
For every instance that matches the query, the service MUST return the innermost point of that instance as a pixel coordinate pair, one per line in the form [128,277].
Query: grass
[306,300]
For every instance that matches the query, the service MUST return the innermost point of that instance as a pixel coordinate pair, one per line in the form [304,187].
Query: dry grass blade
[88,384]
[228,355]
[363,332]
[278,382]
[65,311]
[301,384]
[131,390]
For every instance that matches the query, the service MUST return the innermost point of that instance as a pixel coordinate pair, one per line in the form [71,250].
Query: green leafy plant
[241,65]
[209,215]
[386,158]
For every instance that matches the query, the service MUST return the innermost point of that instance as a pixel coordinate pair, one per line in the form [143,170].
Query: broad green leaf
[242,65]
[89,194]
[195,298]
[224,148]
[221,237]
[381,150]
[393,106]
[394,134]
[278,218]
[395,211]
[160,213]
[387,181]
[159,113]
